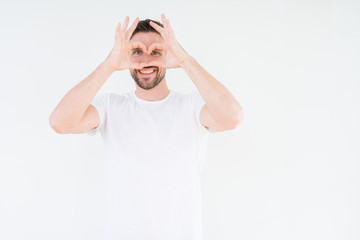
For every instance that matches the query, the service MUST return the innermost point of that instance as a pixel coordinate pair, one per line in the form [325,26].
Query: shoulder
[190,96]
[184,99]
[178,95]
[116,98]
[196,99]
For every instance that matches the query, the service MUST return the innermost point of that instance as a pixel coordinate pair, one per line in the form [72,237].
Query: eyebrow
[156,49]
[135,49]
[159,50]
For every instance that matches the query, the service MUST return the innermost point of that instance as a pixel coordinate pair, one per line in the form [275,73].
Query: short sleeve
[198,103]
[100,102]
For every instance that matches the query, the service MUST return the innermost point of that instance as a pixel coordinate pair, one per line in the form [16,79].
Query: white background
[289,171]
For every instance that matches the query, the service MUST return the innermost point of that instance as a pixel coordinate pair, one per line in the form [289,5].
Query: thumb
[157,64]
[138,65]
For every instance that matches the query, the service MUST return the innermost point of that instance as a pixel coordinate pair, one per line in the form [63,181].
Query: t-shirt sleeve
[100,102]
[198,103]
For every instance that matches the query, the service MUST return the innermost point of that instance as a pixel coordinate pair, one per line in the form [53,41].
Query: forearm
[221,103]
[73,105]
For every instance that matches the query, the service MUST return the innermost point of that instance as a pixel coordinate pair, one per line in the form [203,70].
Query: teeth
[147,71]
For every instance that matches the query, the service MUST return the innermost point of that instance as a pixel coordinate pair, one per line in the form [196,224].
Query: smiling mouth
[147,71]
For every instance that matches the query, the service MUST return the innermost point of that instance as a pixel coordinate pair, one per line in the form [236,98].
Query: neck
[157,93]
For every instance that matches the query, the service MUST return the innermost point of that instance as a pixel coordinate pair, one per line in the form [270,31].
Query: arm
[73,105]
[74,113]
[222,110]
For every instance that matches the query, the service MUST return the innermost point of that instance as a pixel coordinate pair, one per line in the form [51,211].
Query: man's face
[153,60]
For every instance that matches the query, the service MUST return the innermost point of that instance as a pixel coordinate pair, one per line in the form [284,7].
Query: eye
[137,51]
[156,53]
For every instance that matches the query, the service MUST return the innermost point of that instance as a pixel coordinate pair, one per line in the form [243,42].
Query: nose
[146,58]
[150,60]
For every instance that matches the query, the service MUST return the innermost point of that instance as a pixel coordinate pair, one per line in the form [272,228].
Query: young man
[155,138]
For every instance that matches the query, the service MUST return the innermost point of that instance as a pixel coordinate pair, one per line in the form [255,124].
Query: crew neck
[152,102]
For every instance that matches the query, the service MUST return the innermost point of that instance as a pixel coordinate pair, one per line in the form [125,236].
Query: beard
[147,82]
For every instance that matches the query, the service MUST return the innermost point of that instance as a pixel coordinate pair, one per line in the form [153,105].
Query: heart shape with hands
[128,53]
[155,55]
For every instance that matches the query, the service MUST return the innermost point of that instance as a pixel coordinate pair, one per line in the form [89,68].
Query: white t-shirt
[155,153]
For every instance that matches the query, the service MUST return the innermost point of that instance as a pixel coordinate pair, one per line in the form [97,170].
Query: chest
[139,128]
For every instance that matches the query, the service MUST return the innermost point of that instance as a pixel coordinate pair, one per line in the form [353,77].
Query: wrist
[187,60]
[107,67]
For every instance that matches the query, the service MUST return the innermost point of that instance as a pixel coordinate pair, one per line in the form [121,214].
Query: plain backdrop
[290,170]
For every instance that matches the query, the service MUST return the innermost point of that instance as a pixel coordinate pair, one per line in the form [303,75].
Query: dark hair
[144,26]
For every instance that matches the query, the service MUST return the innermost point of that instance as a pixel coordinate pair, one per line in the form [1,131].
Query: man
[155,138]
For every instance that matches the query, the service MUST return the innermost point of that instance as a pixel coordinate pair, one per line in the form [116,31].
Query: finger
[138,45]
[170,29]
[157,64]
[117,32]
[171,67]
[157,28]
[159,46]
[131,29]
[138,65]
[124,27]
[163,19]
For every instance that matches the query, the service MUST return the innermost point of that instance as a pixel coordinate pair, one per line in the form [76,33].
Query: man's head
[147,35]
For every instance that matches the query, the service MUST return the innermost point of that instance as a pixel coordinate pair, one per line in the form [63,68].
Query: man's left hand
[175,54]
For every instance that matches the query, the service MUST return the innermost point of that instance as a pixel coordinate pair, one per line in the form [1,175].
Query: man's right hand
[119,57]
